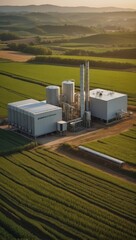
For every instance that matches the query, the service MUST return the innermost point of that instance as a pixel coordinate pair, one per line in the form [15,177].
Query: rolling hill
[54,8]
[24,21]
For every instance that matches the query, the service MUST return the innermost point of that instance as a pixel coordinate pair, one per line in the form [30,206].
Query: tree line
[77,62]
[6,36]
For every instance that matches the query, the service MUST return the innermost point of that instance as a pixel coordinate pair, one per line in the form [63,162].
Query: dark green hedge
[77,62]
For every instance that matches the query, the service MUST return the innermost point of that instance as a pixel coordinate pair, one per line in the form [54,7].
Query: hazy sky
[90,3]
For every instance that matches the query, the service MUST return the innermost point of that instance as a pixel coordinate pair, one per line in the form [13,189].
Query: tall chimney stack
[82,101]
[87,86]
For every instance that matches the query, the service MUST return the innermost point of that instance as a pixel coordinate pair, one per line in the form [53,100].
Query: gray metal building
[107,105]
[33,117]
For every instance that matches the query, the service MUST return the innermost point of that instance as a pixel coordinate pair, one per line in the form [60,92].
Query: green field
[103,59]
[113,39]
[121,146]
[12,89]
[47,196]
[89,47]
[12,142]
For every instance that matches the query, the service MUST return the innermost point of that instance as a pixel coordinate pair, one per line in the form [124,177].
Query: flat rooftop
[41,108]
[23,102]
[33,106]
[105,95]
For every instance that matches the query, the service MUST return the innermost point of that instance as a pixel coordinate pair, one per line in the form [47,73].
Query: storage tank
[62,126]
[68,90]
[53,95]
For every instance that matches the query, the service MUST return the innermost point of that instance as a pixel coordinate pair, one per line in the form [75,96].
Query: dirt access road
[98,131]
[54,142]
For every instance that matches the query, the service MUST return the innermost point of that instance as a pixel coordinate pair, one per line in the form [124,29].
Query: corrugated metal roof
[33,106]
[41,108]
[23,102]
[105,95]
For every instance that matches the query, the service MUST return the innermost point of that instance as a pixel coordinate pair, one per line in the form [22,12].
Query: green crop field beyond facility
[121,146]
[12,88]
[47,196]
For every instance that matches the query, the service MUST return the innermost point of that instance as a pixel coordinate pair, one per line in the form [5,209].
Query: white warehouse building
[107,105]
[34,117]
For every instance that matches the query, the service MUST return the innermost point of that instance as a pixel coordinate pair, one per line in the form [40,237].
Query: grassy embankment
[47,196]
[121,146]
[37,76]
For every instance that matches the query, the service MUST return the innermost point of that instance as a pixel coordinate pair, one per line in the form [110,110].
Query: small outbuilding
[107,105]
[34,117]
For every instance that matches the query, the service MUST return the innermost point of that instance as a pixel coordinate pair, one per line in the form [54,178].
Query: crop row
[64,200]
[131,133]
[11,142]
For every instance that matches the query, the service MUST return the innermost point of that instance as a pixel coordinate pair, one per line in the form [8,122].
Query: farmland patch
[121,146]
[13,142]
[63,199]
[15,56]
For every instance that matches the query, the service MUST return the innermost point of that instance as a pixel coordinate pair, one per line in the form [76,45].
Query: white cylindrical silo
[68,90]
[53,95]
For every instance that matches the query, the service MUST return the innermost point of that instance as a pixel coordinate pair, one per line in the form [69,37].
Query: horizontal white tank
[53,95]
[68,90]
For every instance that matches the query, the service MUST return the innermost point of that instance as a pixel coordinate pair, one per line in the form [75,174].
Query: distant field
[12,142]
[113,39]
[15,56]
[91,47]
[47,196]
[94,50]
[103,59]
[12,89]
[121,146]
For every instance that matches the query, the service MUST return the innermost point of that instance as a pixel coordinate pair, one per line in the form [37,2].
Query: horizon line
[15,5]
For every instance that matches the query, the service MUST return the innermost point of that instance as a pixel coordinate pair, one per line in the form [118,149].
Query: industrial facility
[67,109]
